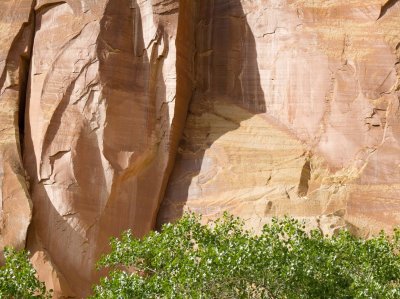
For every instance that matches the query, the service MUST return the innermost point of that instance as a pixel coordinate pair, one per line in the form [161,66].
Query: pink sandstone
[124,114]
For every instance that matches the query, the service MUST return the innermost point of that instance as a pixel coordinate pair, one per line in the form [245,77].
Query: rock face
[103,121]
[123,114]
[295,111]
[16,36]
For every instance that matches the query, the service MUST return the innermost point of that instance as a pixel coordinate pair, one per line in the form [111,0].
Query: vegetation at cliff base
[18,277]
[223,260]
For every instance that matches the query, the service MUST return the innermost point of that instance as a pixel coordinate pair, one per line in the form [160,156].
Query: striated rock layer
[295,111]
[123,114]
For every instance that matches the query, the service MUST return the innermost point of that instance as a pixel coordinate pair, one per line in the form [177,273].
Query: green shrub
[223,260]
[18,278]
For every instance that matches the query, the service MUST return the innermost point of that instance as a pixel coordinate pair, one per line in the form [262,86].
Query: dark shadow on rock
[227,74]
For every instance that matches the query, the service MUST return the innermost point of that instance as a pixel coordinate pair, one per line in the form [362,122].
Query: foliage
[18,277]
[223,260]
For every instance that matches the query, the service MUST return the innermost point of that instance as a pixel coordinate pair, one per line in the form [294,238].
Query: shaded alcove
[226,73]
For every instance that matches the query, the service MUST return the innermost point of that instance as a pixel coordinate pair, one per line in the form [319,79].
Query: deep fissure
[24,72]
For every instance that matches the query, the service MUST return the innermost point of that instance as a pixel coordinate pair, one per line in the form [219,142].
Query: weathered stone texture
[100,133]
[295,112]
[111,108]
[16,33]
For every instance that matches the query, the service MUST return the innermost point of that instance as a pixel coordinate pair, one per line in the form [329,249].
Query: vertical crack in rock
[23,83]
[24,72]
[22,46]
[16,45]
[185,72]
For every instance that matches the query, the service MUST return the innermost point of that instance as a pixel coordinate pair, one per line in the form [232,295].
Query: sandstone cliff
[123,114]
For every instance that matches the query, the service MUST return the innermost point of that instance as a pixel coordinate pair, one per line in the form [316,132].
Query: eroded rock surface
[16,35]
[262,108]
[103,120]
[296,111]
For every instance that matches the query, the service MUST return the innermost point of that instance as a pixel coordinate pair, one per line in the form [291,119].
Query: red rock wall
[102,125]
[16,34]
[295,112]
[123,114]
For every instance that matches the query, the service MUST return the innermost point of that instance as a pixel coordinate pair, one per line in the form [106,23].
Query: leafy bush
[223,260]
[18,277]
